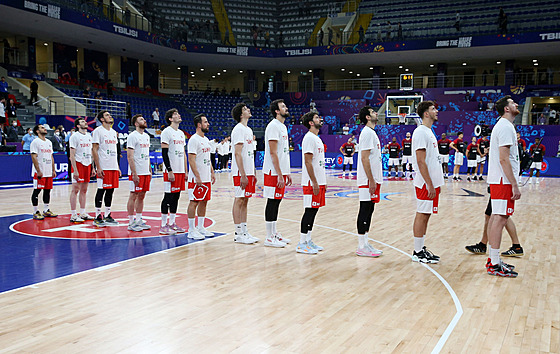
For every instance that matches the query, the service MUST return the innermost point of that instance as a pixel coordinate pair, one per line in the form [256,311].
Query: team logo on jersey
[62,228]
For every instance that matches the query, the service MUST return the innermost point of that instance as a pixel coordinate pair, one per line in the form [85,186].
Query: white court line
[458,307]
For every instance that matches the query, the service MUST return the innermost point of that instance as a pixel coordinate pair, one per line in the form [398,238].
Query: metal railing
[80,106]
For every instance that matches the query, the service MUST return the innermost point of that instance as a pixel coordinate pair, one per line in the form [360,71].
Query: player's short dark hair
[459,133]
[100,115]
[274,106]
[135,117]
[307,118]
[237,111]
[77,121]
[36,129]
[501,104]
[198,119]
[169,114]
[423,107]
[364,111]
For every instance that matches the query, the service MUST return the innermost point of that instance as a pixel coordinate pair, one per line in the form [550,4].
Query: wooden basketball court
[216,296]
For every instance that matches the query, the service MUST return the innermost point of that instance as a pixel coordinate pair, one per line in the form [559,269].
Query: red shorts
[84,173]
[424,205]
[42,183]
[143,184]
[176,186]
[270,190]
[199,193]
[311,200]
[500,197]
[110,181]
[249,189]
[364,195]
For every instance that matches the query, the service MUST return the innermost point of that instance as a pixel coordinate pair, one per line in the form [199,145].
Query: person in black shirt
[34,89]
[394,151]
[472,154]
[459,146]
[536,150]
[443,147]
[347,149]
[483,148]
[407,156]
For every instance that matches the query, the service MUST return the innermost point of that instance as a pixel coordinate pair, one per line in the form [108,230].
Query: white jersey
[107,152]
[141,145]
[213,146]
[313,144]
[200,146]
[243,135]
[503,134]
[222,149]
[277,131]
[44,151]
[176,141]
[82,144]
[424,138]
[370,141]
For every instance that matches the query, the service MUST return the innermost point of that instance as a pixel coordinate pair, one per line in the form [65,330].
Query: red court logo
[61,227]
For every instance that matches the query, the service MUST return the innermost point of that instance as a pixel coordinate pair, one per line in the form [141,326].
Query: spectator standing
[2,113]
[129,113]
[109,89]
[346,129]
[34,90]
[155,118]
[551,116]
[399,32]
[330,36]
[11,132]
[312,106]
[320,38]
[12,110]
[4,88]
[361,38]
[457,24]
[480,105]
[389,31]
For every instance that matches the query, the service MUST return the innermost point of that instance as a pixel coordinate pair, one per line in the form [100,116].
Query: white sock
[107,211]
[362,241]
[97,212]
[35,209]
[201,222]
[172,219]
[418,243]
[83,211]
[238,229]
[244,227]
[269,225]
[308,238]
[302,238]
[74,213]
[494,255]
[130,219]
[274,227]
[163,220]
[138,216]
[46,208]
[192,225]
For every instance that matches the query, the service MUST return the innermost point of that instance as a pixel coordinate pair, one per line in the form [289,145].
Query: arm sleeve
[166,162]
[118,153]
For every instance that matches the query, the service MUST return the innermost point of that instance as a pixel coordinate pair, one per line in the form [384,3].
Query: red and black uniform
[394,149]
[443,146]
[472,151]
[407,147]
[537,151]
[459,144]
[348,149]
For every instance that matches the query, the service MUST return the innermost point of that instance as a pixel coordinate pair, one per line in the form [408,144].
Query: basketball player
[175,162]
[313,180]
[276,170]
[80,160]
[483,146]
[480,248]
[459,146]
[443,147]
[537,150]
[243,171]
[347,149]
[503,172]
[407,156]
[106,152]
[472,154]
[428,179]
[521,141]
[201,178]
[139,173]
[43,172]
[394,151]
[370,179]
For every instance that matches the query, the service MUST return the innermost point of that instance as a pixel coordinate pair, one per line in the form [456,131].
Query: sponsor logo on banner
[549,36]
[297,52]
[126,31]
